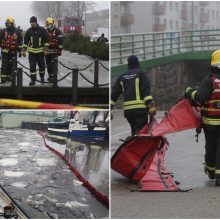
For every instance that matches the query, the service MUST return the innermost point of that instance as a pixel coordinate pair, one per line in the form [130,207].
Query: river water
[42,183]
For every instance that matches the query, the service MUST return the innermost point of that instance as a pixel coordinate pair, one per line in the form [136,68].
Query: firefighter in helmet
[55,40]
[11,44]
[208,97]
[138,102]
[36,44]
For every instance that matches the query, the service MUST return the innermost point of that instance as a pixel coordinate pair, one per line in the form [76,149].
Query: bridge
[81,81]
[154,49]
[173,60]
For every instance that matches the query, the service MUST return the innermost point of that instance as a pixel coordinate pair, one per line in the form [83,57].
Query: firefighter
[102,38]
[208,97]
[11,44]
[138,102]
[55,40]
[36,44]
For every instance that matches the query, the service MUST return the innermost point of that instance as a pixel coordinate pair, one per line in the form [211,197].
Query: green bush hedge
[78,43]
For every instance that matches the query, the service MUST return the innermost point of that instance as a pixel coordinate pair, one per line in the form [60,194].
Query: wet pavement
[71,60]
[184,158]
[42,183]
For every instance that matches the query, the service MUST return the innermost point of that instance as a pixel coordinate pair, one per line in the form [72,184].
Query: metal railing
[151,45]
[18,73]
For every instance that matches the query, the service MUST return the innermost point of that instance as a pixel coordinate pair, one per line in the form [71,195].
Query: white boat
[78,129]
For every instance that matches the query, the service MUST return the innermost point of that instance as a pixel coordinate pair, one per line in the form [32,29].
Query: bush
[78,43]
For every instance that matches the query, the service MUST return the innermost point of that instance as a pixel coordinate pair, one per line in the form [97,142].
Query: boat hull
[78,133]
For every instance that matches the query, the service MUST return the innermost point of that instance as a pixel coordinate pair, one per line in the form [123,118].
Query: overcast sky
[21,11]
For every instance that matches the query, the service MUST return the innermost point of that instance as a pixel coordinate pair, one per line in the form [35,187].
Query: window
[171,6]
[165,21]
[213,14]
[171,24]
[177,25]
[177,6]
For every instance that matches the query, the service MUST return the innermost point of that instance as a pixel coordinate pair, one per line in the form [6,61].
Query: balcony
[204,3]
[204,17]
[159,27]
[159,9]
[127,20]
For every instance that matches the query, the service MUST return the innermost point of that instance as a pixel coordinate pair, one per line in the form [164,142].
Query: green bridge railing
[159,44]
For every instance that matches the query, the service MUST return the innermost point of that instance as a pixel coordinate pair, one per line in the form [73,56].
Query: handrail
[158,44]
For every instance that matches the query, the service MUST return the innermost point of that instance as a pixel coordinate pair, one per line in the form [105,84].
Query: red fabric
[157,178]
[181,116]
[134,157]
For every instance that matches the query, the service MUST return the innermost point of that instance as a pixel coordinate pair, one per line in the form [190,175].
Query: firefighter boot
[209,173]
[50,78]
[33,80]
[42,80]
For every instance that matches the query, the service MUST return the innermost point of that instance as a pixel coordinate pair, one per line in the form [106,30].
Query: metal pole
[19,83]
[96,73]
[13,71]
[55,69]
[75,73]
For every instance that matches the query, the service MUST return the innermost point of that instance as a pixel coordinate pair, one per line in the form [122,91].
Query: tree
[60,9]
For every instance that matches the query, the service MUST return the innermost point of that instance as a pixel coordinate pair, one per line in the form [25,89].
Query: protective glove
[59,53]
[188,92]
[152,108]
[45,52]
[23,52]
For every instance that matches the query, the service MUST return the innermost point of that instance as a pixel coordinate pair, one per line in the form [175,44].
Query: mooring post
[13,71]
[19,83]
[96,73]
[75,73]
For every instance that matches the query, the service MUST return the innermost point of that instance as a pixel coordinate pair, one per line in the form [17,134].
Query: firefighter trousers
[137,123]
[52,65]
[34,59]
[212,148]
[9,64]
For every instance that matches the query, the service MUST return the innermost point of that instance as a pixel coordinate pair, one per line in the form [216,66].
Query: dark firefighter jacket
[203,96]
[11,32]
[55,39]
[35,40]
[135,87]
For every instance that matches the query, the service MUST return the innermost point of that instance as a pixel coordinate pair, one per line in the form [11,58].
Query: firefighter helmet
[50,21]
[215,60]
[10,20]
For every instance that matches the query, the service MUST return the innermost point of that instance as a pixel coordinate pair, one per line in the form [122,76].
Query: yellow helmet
[50,21]
[10,20]
[215,60]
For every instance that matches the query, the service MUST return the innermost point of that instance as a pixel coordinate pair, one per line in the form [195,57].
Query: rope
[104,66]
[65,66]
[51,81]
[86,183]
[36,69]
[87,66]
[91,81]
[73,68]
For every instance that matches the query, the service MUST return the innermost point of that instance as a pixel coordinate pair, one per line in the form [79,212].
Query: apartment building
[154,16]
[96,19]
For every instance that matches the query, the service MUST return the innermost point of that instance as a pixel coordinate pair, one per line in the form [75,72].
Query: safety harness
[52,37]
[211,108]
[9,42]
